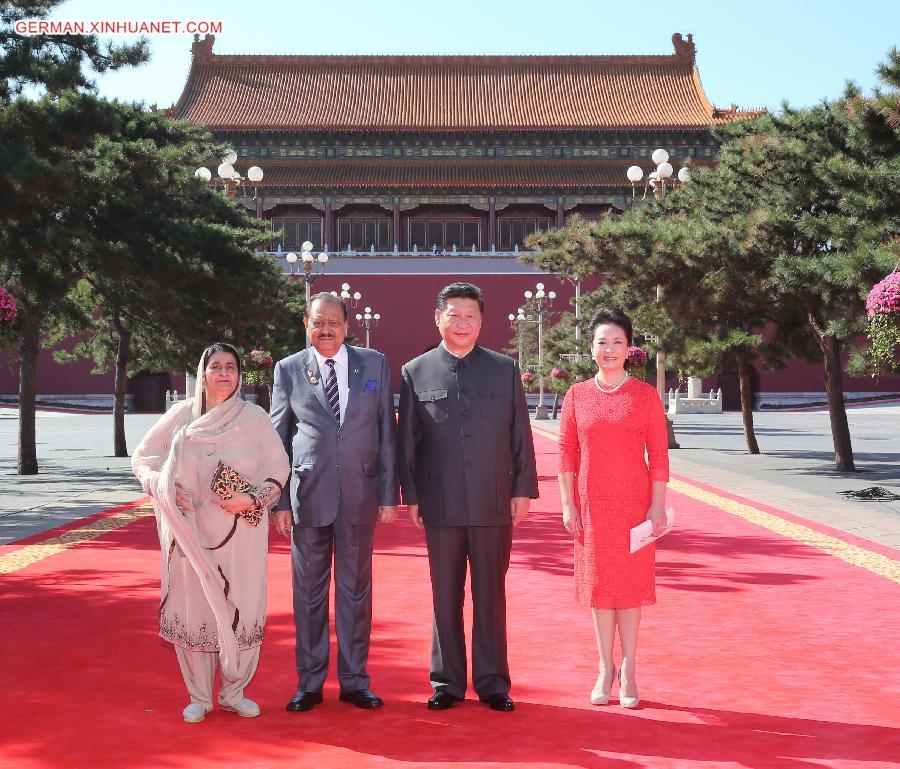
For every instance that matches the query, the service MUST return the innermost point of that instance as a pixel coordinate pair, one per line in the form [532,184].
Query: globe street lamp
[231,178]
[350,299]
[518,322]
[369,320]
[309,274]
[657,182]
[540,301]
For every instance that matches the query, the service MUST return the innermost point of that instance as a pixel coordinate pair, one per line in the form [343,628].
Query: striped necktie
[331,390]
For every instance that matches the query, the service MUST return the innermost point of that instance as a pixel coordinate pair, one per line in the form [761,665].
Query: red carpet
[762,652]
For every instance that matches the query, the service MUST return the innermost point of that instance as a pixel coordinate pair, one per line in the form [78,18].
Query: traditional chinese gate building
[414,171]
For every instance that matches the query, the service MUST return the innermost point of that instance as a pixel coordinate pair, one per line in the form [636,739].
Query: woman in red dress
[609,422]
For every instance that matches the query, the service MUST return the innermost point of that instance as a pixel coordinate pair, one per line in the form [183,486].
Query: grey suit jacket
[354,462]
[465,439]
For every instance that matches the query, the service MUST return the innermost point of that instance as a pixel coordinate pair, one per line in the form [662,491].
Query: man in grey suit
[468,474]
[333,407]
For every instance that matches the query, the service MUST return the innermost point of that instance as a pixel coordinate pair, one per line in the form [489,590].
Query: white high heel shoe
[627,702]
[600,693]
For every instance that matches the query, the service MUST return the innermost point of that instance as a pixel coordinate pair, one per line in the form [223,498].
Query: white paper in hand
[642,534]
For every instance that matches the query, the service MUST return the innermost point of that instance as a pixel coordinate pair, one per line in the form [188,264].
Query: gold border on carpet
[31,554]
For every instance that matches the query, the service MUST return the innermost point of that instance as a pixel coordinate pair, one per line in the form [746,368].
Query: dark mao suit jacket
[465,439]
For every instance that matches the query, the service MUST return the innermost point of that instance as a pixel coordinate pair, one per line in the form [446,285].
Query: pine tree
[168,264]
[42,191]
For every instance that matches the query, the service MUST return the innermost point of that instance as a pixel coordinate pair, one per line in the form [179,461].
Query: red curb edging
[76,524]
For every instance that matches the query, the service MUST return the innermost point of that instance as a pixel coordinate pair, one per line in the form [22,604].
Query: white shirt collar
[340,358]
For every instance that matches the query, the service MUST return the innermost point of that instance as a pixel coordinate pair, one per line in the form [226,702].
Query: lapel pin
[356,371]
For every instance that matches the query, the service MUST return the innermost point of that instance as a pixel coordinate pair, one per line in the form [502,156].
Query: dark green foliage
[54,63]
[106,234]
[785,236]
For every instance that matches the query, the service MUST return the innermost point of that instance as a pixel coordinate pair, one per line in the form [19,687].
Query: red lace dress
[603,439]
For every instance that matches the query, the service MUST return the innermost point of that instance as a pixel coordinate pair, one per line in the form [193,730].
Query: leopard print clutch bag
[226,481]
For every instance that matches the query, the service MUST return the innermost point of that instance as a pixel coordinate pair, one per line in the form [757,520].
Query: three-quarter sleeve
[569,447]
[657,439]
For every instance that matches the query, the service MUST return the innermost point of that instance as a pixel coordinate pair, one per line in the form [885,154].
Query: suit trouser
[311,559]
[199,672]
[487,549]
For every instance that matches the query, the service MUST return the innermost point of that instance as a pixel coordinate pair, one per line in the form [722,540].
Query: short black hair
[614,316]
[460,291]
[221,347]
[324,296]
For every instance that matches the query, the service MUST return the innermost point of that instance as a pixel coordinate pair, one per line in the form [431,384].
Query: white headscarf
[182,526]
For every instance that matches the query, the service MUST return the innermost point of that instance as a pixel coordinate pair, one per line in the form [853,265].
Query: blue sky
[753,53]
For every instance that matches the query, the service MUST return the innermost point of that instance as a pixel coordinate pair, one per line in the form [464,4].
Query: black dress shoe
[500,702]
[442,700]
[304,701]
[362,698]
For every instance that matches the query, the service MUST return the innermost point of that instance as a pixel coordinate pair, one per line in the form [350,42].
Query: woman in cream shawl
[213,606]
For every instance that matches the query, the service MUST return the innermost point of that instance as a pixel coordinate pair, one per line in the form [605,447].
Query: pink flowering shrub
[559,373]
[261,359]
[884,298]
[258,366]
[636,356]
[883,309]
[8,309]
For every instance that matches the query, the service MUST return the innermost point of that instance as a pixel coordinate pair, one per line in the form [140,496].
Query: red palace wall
[406,329]
[407,304]
[54,378]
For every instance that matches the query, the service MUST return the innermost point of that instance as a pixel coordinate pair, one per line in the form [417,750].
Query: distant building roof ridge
[462,92]
[202,52]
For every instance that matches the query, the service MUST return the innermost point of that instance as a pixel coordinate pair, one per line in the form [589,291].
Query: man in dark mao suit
[468,474]
[333,407]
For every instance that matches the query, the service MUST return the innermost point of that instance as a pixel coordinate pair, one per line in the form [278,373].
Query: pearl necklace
[607,390]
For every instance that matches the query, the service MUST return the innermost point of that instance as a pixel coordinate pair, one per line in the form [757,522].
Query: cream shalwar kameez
[213,592]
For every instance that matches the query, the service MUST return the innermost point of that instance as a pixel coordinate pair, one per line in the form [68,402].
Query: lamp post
[350,299]
[656,181]
[576,281]
[309,274]
[230,177]
[369,320]
[540,301]
[518,321]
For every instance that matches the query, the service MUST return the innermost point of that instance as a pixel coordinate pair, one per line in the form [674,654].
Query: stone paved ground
[795,473]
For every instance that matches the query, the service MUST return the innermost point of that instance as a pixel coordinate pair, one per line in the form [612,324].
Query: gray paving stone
[795,472]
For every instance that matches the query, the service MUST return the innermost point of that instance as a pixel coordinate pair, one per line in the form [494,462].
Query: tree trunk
[120,447]
[264,397]
[834,388]
[555,405]
[744,370]
[28,352]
